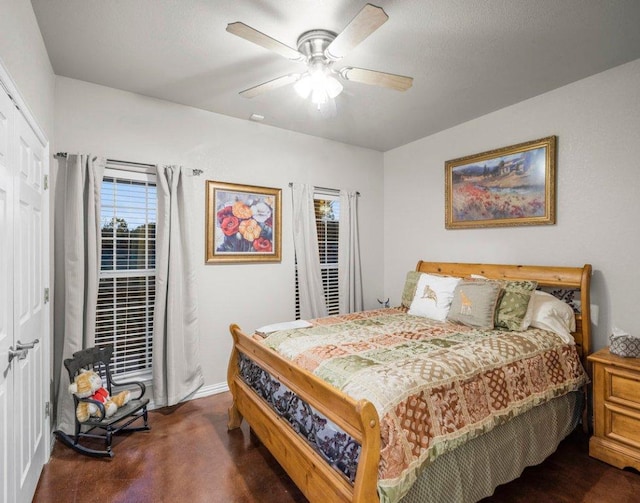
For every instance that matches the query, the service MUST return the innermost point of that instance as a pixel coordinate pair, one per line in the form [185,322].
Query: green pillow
[513,305]
[474,303]
[410,286]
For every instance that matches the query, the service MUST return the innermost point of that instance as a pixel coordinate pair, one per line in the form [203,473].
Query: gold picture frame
[509,186]
[243,223]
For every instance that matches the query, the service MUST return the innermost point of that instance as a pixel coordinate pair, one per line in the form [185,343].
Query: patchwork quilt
[434,384]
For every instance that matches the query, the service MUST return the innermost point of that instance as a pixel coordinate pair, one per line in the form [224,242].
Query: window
[126,292]
[327,211]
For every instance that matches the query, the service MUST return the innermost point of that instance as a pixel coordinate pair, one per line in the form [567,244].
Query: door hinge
[46,295]
[47,409]
[46,182]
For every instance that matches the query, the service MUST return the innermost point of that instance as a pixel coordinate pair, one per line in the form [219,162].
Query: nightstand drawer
[622,387]
[622,425]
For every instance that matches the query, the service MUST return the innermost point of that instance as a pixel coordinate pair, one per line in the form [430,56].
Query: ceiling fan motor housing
[313,44]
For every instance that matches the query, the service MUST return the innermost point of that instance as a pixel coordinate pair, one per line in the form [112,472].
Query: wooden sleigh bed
[359,419]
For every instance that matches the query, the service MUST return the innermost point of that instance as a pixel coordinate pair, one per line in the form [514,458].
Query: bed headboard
[573,278]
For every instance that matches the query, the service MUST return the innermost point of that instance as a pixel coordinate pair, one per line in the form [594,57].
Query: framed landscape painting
[243,223]
[505,187]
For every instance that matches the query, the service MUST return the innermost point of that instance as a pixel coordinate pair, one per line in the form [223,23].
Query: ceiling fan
[320,49]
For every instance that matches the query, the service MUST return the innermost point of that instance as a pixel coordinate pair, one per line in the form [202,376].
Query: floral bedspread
[435,385]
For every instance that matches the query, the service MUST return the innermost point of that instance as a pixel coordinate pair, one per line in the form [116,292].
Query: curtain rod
[324,188]
[196,172]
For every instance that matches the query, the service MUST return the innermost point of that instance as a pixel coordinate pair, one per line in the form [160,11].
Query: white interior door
[6,301]
[29,319]
[24,315]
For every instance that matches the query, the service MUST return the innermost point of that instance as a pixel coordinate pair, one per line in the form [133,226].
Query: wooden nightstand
[616,409]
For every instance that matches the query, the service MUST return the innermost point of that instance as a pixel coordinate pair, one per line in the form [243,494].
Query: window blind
[327,210]
[126,291]
[327,215]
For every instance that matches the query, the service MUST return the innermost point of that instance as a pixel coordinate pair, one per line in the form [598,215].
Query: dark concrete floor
[190,456]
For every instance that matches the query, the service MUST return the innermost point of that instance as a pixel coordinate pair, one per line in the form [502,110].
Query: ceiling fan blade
[270,86]
[252,35]
[374,78]
[368,20]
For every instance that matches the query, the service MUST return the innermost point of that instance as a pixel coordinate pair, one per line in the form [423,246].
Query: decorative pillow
[410,285]
[526,321]
[474,303]
[552,314]
[433,296]
[512,308]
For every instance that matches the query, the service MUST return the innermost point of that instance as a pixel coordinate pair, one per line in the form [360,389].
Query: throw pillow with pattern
[513,304]
[410,285]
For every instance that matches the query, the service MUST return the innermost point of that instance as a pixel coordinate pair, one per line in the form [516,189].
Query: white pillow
[550,313]
[433,297]
[528,316]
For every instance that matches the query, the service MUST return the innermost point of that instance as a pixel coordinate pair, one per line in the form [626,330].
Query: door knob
[28,346]
[20,353]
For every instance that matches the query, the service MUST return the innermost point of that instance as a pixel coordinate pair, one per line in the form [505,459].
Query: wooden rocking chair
[102,427]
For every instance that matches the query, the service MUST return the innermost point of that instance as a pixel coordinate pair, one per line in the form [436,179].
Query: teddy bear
[88,384]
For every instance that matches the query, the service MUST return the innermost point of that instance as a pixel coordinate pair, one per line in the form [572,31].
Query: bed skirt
[473,471]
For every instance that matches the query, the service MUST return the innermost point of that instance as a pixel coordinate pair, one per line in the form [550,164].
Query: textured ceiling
[467,57]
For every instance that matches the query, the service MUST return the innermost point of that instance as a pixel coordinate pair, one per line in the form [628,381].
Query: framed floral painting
[505,187]
[243,223]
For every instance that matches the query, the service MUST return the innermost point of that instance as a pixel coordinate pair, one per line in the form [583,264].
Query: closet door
[7,446]
[24,314]
[29,312]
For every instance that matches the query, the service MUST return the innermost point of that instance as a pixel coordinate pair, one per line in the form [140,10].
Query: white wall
[25,57]
[125,126]
[597,122]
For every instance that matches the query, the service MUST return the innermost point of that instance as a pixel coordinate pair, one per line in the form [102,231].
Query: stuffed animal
[88,384]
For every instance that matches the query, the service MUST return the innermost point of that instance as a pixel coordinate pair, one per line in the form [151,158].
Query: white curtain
[176,340]
[305,240]
[77,263]
[350,282]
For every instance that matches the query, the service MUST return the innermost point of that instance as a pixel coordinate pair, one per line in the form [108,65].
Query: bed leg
[255,439]
[235,418]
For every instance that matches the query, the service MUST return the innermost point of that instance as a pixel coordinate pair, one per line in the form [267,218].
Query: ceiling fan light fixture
[333,86]
[320,86]
[303,86]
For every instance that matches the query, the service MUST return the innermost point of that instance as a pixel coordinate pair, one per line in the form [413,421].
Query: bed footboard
[307,468]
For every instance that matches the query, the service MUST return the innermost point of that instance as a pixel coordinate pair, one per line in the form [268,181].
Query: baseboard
[211,389]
